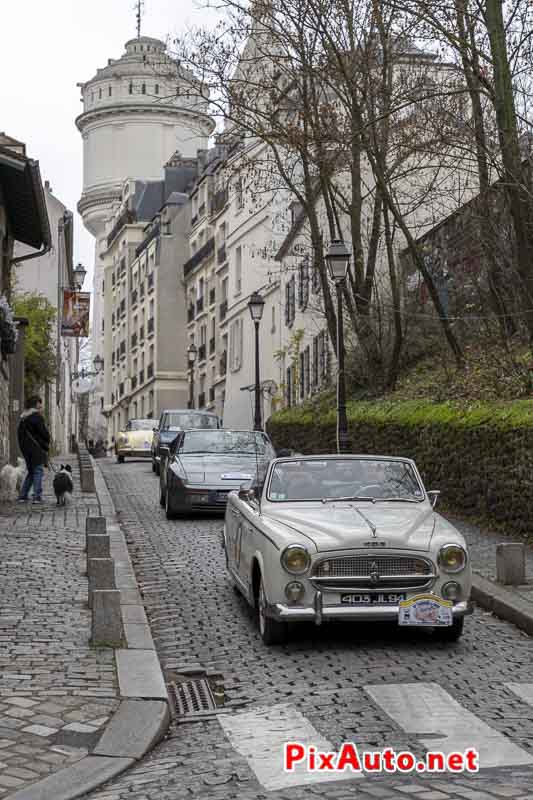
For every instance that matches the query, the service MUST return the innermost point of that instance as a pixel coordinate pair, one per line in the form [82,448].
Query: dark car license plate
[379,599]
[218,497]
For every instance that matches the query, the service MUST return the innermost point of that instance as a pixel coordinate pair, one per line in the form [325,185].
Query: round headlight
[294,591]
[452,558]
[451,590]
[295,559]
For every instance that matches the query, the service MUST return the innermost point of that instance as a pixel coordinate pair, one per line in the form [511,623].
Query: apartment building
[145,317]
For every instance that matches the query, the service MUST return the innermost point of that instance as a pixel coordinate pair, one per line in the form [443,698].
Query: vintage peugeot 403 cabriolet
[352,538]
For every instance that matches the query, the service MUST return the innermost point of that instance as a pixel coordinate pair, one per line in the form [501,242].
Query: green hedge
[480,456]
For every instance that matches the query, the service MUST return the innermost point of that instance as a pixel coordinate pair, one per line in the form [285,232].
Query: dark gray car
[203,466]
[174,420]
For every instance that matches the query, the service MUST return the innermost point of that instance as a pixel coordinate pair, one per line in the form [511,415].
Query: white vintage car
[352,538]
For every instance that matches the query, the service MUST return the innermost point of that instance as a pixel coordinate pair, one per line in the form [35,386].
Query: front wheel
[272,631]
[153,465]
[169,511]
[162,498]
[451,633]
[157,469]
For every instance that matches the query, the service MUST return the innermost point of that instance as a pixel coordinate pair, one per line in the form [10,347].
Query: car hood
[136,437]
[340,526]
[217,469]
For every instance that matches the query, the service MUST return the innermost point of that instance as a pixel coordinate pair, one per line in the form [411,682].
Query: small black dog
[63,484]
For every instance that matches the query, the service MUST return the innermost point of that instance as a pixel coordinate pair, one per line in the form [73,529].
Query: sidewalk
[514,603]
[56,693]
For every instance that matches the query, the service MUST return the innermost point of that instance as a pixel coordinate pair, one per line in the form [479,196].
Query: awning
[23,197]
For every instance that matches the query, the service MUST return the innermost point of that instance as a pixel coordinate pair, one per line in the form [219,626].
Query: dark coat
[34,439]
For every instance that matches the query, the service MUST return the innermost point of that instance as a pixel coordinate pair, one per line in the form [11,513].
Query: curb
[143,716]
[496,598]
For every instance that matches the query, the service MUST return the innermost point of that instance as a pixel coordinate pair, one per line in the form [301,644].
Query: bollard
[98,546]
[107,630]
[511,563]
[101,574]
[95,525]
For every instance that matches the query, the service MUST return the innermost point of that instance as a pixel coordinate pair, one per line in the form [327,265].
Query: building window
[143,89]
[303,284]
[239,194]
[315,280]
[290,302]
[307,371]
[130,88]
[235,345]
[110,91]
[157,88]
[288,388]
[238,270]
[273,325]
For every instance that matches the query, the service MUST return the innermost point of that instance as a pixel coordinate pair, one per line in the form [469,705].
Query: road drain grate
[192,698]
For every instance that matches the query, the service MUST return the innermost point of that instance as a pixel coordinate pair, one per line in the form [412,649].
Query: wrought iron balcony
[201,255]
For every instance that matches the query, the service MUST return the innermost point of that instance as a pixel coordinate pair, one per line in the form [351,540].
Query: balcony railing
[222,366]
[201,352]
[190,313]
[149,371]
[211,345]
[134,296]
[201,400]
[221,254]
[150,281]
[150,326]
[212,297]
[223,310]
[141,377]
[133,341]
[204,252]
[199,305]
[211,394]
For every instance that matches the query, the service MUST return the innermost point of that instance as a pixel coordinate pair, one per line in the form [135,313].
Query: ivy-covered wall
[480,457]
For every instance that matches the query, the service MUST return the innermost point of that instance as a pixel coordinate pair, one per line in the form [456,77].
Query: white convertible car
[352,538]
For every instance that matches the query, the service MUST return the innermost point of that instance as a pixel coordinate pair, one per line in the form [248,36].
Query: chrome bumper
[319,613]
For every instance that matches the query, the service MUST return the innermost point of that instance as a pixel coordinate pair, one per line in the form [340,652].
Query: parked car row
[316,538]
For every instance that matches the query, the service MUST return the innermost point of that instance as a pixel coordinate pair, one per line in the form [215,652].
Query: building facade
[137,111]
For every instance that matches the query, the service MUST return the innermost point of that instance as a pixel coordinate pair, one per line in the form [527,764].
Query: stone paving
[201,625]
[56,693]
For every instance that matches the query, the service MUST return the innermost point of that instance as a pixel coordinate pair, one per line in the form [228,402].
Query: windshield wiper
[340,499]
[396,500]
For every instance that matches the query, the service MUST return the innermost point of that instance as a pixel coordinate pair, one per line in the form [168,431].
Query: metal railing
[204,252]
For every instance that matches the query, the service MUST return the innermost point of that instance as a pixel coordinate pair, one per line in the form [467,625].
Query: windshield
[236,442]
[365,479]
[181,422]
[140,425]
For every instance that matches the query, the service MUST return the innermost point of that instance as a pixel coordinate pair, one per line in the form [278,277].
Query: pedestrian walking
[34,442]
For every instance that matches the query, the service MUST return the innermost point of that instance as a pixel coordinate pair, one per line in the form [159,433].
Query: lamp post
[256,305]
[79,276]
[338,259]
[191,355]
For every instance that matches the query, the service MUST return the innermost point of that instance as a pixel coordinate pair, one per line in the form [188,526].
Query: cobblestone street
[56,693]
[336,681]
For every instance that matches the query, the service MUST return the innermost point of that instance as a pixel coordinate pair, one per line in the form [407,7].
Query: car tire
[162,499]
[271,631]
[169,511]
[157,469]
[153,465]
[120,459]
[451,633]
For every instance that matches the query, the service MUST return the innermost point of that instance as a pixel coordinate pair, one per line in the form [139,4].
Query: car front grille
[371,571]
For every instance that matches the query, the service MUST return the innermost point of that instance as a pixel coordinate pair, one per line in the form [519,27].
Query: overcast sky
[48,47]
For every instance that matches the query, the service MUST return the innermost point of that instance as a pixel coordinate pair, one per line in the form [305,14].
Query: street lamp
[256,305]
[79,276]
[191,356]
[338,259]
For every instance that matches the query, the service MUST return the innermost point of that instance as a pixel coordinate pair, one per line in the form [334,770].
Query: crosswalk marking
[260,735]
[441,723]
[523,690]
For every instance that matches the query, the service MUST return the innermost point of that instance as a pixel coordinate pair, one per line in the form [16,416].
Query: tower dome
[137,110]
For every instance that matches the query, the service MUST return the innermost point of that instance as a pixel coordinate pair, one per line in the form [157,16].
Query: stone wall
[481,458]
[4,413]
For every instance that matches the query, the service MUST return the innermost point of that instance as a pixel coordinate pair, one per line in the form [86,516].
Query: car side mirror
[246,492]
[283,452]
[433,495]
